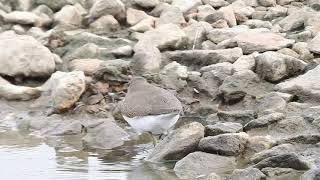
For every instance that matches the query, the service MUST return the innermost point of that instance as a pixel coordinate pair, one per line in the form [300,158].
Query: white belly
[156,124]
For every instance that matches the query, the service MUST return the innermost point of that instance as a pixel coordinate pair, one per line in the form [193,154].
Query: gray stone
[256,23]
[105,7]
[105,136]
[123,51]
[223,128]
[288,52]
[248,174]
[219,35]
[172,15]
[178,144]
[200,163]
[224,144]
[196,33]
[22,17]
[281,173]
[113,70]
[313,174]
[213,176]
[302,49]
[186,5]
[216,3]
[246,62]
[294,20]
[134,16]
[147,3]
[275,12]
[275,151]
[261,42]
[263,121]
[305,86]
[313,45]
[105,23]
[54,5]
[274,67]
[229,16]
[87,51]
[267,3]
[22,55]
[285,160]
[242,117]
[205,11]
[68,15]
[61,91]
[301,139]
[88,66]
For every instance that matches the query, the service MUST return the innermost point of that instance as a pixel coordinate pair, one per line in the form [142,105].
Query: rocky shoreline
[246,72]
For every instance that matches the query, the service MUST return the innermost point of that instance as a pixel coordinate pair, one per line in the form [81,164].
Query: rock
[68,15]
[281,173]
[294,20]
[256,23]
[301,139]
[54,5]
[275,151]
[87,51]
[267,3]
[263,121]
[147,3]
[271,102]
[224,144]
[62,91]
[219,35]
[204,11]
[204,57]
[113,70]
[134,16]
[88,66]
[302,49]
[172,15]
[235,87]
[220,71]
[244,63]
[105,23]
[173,76]
[22,55]
[196,33]
[61,128]
[123,51]
[186,5]
[105,7]
[13,92]
[274,67]
[229,15]
[222,128]
[237,116]
[285,160]
[216,3]
[313,45]
[313,174]
[22,17]
[275,12]
[168,36]
[261,42]
[213,176]
[178,144]
[248,174]
[199,163]
[146,59]
[305,86]
[144,25]
[257,144]
[105,136]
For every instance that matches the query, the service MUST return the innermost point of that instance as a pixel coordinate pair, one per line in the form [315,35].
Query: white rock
[186,5]
[68,15]
[25,56]
[104,7]
[22,17]
[147,3]
[134,16]
[105,23]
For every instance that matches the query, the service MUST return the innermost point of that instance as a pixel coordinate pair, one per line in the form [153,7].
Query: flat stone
[263,121]
[223,128]
[248,174]
[277,150]
[200,163]
[237,116]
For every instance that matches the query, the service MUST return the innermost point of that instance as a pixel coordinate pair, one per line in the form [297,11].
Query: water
[26,156]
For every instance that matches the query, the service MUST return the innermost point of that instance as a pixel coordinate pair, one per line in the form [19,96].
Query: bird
[148,108]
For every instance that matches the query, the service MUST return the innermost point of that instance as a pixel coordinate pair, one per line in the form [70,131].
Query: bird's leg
[154,141]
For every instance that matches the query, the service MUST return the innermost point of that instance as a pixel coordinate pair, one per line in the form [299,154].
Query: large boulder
[273,66]
[13,92]
[62,91]
[305,87]
[22,55]
[261,41]
[178,144]
[199,163]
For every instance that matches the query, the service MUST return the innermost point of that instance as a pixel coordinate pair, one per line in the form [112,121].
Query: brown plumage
[145,99]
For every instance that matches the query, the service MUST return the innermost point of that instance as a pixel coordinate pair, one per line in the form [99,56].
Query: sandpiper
[148,108]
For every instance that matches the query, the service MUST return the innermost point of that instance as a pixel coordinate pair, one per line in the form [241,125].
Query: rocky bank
[246,72]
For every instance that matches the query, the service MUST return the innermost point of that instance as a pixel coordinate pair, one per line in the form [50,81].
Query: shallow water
[29,157]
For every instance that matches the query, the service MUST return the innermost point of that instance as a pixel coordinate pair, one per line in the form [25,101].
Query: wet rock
[105,136]
[235,87]
[22,55]
[202,164]
[105,7]
[263,121]
[285,160]
[172,15]
[248,174]
[222,128]
[13,92]
[261,42]
[313,174]
[237,116]
[224,144]
[305,86]
[105,23]
[68,15]
[178,144]
[205,57]
[281,173]
[61,128]
[61,91]
[147,3]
